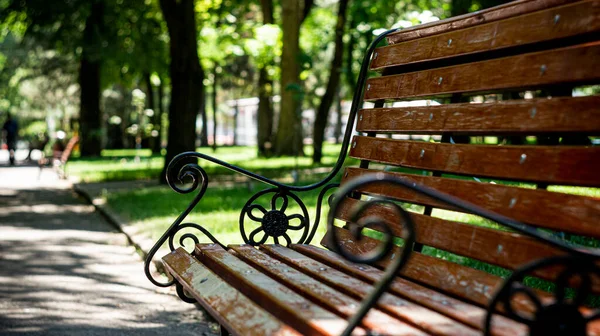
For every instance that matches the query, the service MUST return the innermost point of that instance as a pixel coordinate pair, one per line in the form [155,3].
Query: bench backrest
[507,134]
[64,157]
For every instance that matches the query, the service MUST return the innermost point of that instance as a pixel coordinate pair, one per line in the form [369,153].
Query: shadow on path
[65,271]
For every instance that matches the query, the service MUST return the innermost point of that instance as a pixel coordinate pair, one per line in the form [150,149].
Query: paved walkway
[65,271]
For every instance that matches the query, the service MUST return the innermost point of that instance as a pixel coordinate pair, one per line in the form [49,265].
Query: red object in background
[4,146]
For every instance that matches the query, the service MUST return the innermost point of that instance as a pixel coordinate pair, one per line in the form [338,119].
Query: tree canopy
[79,61]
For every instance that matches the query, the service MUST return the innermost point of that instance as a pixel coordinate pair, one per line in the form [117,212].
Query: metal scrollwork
[182,295]
[198,178]
[383,249]
[562,316]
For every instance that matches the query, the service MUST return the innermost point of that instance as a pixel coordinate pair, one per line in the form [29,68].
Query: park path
[65,271]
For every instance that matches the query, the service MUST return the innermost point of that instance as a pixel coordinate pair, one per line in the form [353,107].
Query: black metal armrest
[274,223]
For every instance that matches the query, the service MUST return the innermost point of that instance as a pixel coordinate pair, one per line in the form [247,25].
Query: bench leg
[223,331]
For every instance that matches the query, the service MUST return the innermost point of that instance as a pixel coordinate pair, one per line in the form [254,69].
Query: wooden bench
[59,159]
[474,217]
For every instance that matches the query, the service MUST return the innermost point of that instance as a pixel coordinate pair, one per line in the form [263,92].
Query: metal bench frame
[578,261]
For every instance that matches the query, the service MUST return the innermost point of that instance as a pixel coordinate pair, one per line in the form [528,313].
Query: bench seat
[315,291]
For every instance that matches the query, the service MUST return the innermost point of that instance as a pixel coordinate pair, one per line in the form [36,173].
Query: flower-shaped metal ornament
[274,223]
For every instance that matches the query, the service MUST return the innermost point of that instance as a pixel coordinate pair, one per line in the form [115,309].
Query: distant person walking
[11,129]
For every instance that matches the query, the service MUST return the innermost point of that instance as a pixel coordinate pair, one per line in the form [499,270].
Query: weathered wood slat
[576,64]
[293,309]
[467,283]
[504,249]
[232,309]
[427,319]
[527,117]
[551,24]
[569,165]
[507,10]
[538,207]
[456,309]
[322,294]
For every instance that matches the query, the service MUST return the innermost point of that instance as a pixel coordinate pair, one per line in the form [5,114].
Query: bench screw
[422,153]
[523,157]
[556,18]
[449,42]
[354,144]
[430,116]
[513,201]
[360,118]
[322,269]
[543,69]
[440,81]
[346,175]
[375,56]
[532,112]
[203,280]
[368,87]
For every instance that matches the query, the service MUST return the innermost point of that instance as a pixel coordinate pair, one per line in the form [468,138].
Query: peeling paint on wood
[234,310]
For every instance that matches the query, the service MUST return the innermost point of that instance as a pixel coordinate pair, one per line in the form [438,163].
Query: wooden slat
[467,283]
[282,302]
[501,12]
[576,64]
[538,207]
[322,294]
[527,117]
[426,319]
[232,309]
[570,165]
[573,19]
[456,309]
[504,249]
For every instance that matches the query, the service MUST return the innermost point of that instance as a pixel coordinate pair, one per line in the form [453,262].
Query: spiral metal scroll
[561,317]
[198,178]
[383,249]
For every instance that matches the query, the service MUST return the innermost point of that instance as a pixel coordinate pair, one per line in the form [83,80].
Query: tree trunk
[215,106]
[90,116]
[338,122]
[161,112]
[203,115]
[322,115]
[350,78]
[186,77]
[265,92]
[459,7]
[288,140]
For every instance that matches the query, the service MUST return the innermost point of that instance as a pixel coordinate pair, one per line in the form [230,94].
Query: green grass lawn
[122,165]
